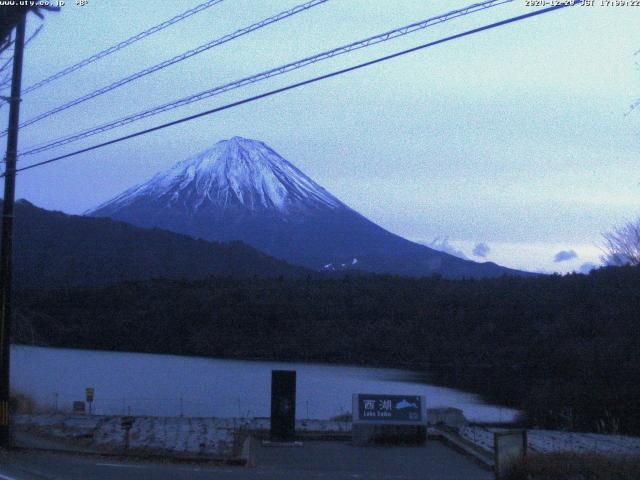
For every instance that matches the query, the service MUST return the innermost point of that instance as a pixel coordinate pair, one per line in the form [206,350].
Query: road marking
[130,465]
[4,477]
[119,465]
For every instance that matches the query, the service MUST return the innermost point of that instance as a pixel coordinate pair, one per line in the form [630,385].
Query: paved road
[314,460]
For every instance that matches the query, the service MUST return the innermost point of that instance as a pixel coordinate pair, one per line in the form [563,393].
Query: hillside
[241,189]
[55,249]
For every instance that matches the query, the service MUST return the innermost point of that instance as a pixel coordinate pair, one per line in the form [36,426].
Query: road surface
[314,460]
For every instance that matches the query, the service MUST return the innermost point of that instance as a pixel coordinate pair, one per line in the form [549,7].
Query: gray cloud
[481,250]
[585,268]
[443,245]
[564,255]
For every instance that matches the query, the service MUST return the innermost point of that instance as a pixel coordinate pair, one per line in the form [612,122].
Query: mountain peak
[247,142]
[241,189]
[234,173]
[241,143]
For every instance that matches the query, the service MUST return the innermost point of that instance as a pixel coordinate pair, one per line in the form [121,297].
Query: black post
[7,233]
[283,405]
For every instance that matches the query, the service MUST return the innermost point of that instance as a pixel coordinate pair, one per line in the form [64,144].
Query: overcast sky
[515,138]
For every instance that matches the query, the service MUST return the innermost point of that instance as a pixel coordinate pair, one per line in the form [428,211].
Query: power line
[178,58]
[10,60]
[6,45]
[6,64]
[121,45]
[383,37]
[33,35]
[302,83]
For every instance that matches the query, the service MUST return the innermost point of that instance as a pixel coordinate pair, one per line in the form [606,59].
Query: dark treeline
[564,349]
[53,250]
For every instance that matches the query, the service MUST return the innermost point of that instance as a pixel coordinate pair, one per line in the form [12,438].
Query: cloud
[585,268]
[564,255]
[481,250]
[443,245]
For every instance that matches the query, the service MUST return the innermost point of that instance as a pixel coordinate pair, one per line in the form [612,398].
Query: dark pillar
[283,405]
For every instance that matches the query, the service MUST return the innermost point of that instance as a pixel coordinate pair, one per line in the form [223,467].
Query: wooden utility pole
[7,233]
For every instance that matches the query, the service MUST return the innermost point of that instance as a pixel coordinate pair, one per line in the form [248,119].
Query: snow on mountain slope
[238,172]
[243,190]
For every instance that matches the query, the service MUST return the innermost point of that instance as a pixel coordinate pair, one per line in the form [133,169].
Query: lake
[168,385]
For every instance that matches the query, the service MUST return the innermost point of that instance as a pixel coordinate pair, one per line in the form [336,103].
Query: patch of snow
[208,436]
[181,435]
[236,171]
[548,441]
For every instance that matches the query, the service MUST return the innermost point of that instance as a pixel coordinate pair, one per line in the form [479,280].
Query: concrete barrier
[446,417]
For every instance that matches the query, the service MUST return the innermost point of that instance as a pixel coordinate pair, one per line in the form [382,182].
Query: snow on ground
[479,436]
[213,437]
[221,437]
[176,435]
[547,441]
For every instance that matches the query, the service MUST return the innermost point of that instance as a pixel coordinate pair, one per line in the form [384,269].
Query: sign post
[126,423]
[381,418]
[89,395]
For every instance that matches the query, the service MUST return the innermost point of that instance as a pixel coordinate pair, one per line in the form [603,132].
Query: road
[321,460]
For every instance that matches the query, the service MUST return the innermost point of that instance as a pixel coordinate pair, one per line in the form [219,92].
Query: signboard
[389,409]
[283,405]
[509,447]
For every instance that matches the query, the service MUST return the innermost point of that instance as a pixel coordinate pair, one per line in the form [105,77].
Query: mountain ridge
[54,249]
[242,189]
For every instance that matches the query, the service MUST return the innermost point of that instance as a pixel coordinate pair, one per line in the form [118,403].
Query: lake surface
[148,384]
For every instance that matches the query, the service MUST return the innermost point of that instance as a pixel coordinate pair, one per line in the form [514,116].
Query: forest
[564,349]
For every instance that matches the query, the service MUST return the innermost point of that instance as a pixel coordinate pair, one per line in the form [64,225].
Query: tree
[622,245]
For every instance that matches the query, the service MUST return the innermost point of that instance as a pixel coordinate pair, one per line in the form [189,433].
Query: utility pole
[7,233]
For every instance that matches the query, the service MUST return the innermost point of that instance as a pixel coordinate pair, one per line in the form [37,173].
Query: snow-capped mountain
[234,173]
[243,190]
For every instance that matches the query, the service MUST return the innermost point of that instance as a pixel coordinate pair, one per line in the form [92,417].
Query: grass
[573,466]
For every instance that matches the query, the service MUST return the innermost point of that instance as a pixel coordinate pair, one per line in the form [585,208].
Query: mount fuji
[241,189]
